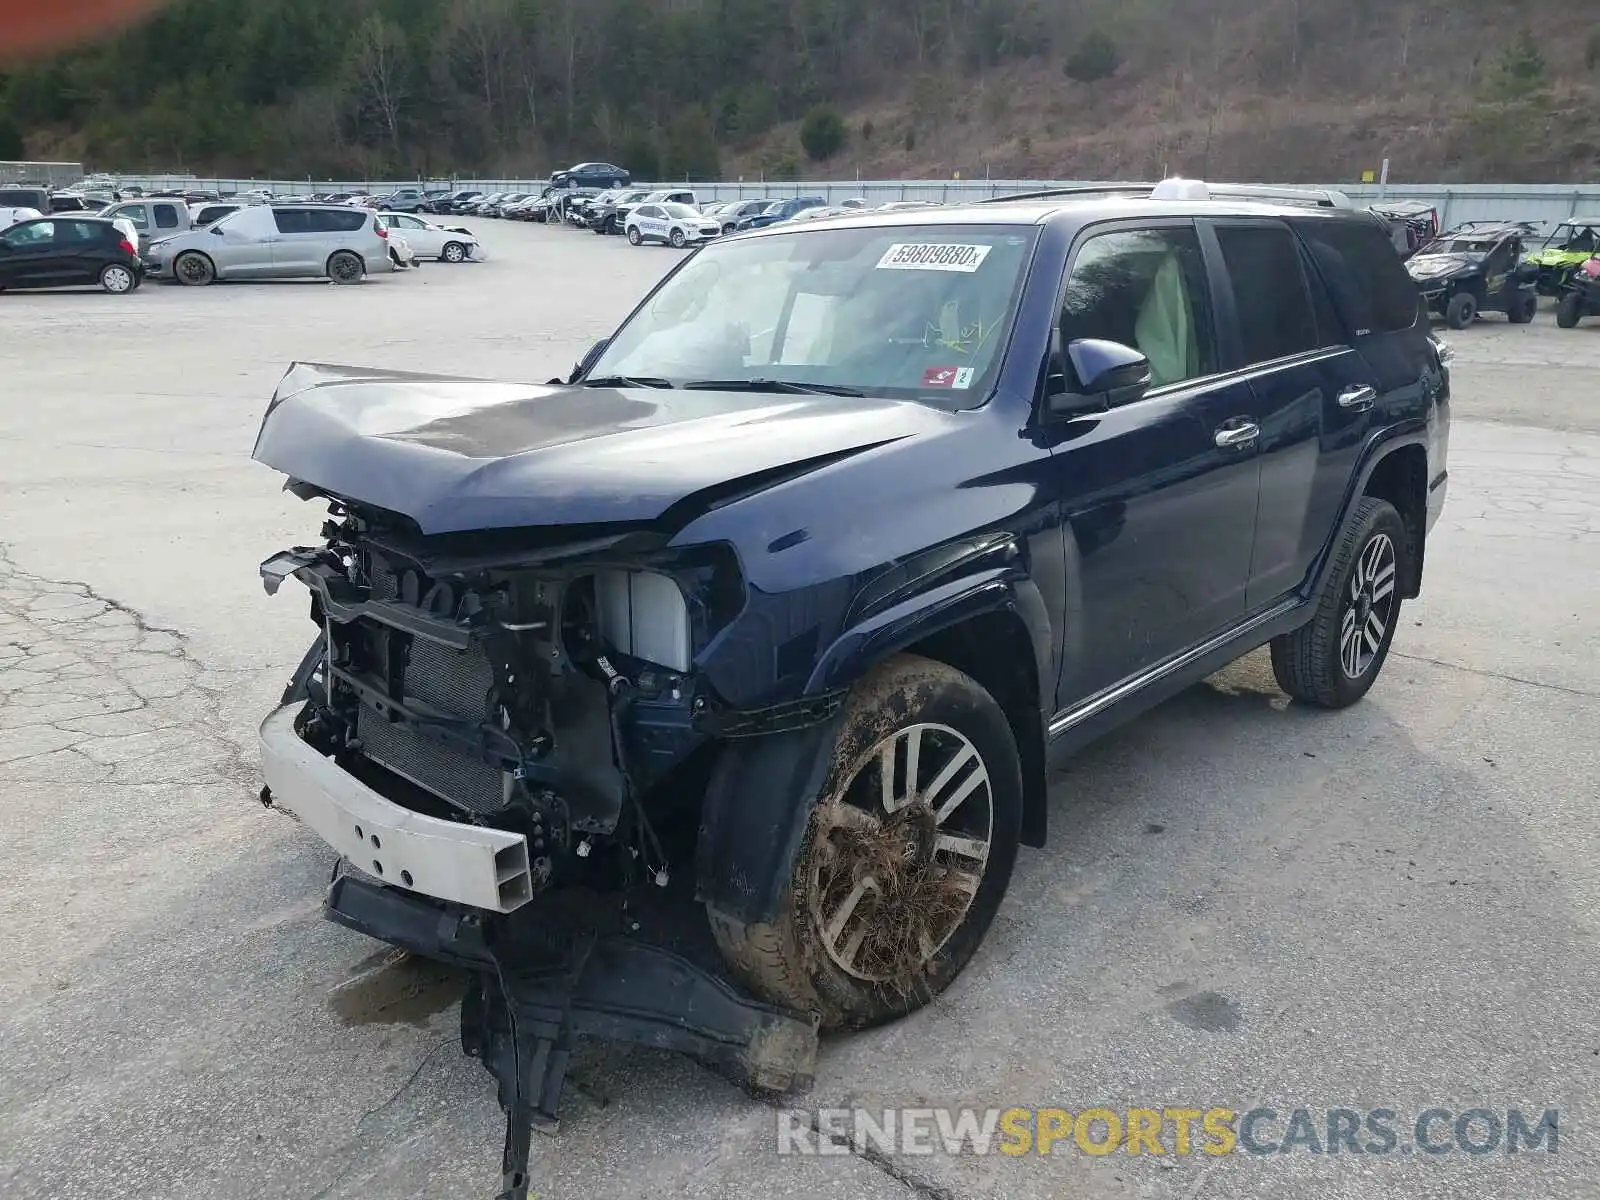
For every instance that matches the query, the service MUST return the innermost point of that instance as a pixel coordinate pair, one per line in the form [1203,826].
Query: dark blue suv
[779,210]
[809,573]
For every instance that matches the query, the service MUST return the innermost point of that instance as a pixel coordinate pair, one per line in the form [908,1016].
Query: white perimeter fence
[1548,203]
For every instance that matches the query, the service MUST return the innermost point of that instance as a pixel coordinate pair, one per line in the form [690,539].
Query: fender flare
[1374,452]
[763,788]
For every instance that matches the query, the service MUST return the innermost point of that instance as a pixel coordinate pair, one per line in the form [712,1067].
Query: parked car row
[677,216]
[126,243]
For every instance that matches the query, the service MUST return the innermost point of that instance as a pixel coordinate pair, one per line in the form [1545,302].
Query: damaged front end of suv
[719,667]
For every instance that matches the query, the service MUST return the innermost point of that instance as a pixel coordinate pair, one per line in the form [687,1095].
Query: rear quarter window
[329,220]
[1370,286]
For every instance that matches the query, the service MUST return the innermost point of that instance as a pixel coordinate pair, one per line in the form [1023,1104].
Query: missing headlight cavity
[643,614]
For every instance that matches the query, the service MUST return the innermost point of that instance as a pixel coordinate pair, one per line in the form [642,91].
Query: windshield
[1459,245]
[1573,238]
[678,210]
[914,312]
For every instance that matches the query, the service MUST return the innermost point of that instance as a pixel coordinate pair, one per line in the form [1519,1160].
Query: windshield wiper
[784,386]
[639,381]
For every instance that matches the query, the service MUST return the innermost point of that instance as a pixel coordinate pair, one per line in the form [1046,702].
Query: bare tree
[483,33]
[381,65]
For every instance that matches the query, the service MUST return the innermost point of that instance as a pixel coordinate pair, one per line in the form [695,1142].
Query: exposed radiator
[451,774]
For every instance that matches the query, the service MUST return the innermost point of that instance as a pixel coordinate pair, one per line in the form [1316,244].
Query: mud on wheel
[906,855]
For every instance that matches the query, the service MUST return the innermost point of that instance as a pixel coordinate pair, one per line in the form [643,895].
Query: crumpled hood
[457,454]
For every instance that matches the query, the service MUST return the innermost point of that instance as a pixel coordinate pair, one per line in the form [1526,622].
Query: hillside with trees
[1285,89]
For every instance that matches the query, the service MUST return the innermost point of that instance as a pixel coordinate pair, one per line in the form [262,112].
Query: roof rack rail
[1084,189]
[1311,197]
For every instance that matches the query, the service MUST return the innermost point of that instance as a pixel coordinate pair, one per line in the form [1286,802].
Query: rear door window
[332,220]
[1371,288]
[1270,297]
[292,220]
[166,216]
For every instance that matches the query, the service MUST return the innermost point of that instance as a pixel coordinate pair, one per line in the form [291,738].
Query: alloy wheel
[1369,608]
[900,853]
[116,280]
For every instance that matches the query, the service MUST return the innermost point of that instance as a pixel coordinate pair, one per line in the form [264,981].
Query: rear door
[168,217]
[81,250]
[1312,393]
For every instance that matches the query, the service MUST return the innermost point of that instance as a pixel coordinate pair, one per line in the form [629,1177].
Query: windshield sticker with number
[933,256]
[947,377]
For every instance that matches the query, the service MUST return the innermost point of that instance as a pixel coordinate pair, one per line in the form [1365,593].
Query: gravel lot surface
[1244,903]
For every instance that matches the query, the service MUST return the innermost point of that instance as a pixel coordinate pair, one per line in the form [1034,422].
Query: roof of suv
[1080,209]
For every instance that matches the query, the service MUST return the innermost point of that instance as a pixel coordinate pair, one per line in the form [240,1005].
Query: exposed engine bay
[546,700]
[543,698]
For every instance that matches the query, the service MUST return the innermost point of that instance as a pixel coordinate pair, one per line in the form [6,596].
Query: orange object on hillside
[35,27]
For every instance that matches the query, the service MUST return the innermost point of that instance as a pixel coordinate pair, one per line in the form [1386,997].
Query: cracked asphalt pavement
[1244,903]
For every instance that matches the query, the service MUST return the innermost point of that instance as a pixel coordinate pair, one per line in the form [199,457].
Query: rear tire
[1523,308]
[1461,311]
[1570,311]
[117,279]
[885,906]
[345,268]
[1333,660]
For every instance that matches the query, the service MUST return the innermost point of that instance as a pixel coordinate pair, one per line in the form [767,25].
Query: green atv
[1571,244]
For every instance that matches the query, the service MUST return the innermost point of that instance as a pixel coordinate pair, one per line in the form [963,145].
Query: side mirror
[1102,375]
[215,232]
[581,367]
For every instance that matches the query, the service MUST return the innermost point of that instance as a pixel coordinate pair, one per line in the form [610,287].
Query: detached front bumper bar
[464,864]
[532,995]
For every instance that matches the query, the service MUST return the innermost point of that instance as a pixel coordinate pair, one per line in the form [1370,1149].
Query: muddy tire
[896,882]
[1334,659]
[1461,311]
[1523,308]
[1570,311]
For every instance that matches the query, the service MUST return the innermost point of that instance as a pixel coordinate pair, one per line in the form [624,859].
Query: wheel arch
[991,626]
[1400,477]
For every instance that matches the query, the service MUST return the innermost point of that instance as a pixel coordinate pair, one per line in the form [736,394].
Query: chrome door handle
[1358,398]
[1237,435]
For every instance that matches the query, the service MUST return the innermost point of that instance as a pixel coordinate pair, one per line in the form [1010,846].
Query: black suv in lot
[820,560]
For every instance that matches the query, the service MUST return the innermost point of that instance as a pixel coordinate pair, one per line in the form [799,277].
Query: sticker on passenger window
[947,377]
[933,256]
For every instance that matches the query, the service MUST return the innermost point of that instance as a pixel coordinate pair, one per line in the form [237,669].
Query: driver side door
[28,255]
[1158,495]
